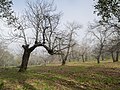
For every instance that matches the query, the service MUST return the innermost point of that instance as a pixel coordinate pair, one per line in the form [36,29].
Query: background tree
[6,11]
[109,11]
[69,40]
[84,49]
[6,58]
[113,47]
[74,53]
[100,34]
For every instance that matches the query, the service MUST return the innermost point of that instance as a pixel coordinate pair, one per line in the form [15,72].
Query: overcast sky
[73,10]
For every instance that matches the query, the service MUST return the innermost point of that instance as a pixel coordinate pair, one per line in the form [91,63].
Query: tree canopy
[108,9]
[6,8]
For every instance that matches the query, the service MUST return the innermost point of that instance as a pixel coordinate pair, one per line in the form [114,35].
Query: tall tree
[42,19]
[109,11]
[38,27]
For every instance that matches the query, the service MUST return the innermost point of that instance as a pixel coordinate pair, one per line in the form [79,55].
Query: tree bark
[63,62]
[98,59]
[64,59]
[113,58]
[25,59]
[99,55]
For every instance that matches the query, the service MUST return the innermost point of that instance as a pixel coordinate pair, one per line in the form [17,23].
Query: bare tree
[6,58]
[70,42]
[100,34]
[84,49]
[74,53]
[36,27]
[44,21]
[113,46]
[109,12]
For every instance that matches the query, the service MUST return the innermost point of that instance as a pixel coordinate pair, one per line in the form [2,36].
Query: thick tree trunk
[63,62]
[98,60]
[25,59]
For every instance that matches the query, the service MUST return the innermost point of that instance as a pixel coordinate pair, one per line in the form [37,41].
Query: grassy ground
[73,76]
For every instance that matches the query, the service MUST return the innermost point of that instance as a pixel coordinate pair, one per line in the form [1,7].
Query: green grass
[73,76]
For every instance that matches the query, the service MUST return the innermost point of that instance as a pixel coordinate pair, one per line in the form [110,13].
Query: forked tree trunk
[27,52]
[25,59]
